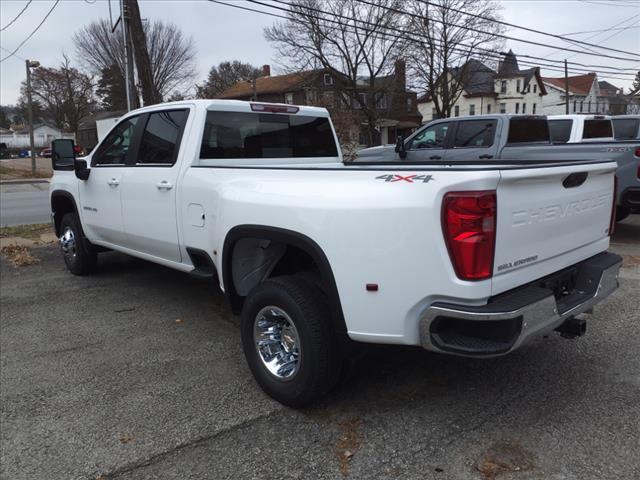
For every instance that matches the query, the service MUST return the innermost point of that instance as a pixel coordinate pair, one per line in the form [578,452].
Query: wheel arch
[288,238]
[62,202]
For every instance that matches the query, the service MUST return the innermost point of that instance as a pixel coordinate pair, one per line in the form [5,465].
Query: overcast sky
[226,33]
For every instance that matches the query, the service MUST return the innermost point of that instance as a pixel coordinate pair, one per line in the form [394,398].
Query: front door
[149,186]
[100,194]
[428,145]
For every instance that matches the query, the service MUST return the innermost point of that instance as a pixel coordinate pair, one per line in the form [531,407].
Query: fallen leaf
[504,457]
[19,255]
[126,438]
[348,442]
[179,321]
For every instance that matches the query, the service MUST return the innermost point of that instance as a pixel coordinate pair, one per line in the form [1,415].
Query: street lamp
[31,64]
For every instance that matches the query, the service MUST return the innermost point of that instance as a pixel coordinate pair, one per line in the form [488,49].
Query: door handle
[485,156]
[113,182]
[164,185]
[435,157]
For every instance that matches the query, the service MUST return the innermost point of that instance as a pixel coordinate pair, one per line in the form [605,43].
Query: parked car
[516,137]
[470,258]
[626,127]
[46,152]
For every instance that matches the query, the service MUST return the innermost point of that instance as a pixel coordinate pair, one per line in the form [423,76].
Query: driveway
[137,372]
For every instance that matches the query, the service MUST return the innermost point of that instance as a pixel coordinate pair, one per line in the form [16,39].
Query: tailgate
[550,217]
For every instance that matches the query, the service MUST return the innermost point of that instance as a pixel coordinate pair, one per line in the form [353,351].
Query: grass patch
[19,255]
[31,232]
[8,173]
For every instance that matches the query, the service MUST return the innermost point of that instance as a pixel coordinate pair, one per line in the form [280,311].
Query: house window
[329,98]
[535,88]
[456,111]
[524,108]
[574,106]
[503,86]
[581,106]
[489,108]
[529,88]
[328,79]
[518,86]
[472,109]
[503,108]
[382,102]
[533,108]
[361,100]
[409,104]
[517,107]
[589,107]
[288,98]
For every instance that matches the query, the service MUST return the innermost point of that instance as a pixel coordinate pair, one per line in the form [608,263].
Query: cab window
[161,137]
[115,147]
[475,133]
[431,137]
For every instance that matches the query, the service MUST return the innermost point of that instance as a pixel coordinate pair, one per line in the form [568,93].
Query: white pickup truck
[472,259]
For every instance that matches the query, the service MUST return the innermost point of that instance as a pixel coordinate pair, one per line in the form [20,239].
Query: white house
[43,134]
[584,94]
[509,90]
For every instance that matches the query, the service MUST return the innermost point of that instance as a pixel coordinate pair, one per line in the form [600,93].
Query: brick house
[396,107]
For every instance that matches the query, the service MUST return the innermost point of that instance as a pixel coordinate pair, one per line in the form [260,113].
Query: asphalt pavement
[24,203]
[137,372]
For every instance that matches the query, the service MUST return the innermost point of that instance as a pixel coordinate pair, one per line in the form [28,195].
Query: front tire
[288,340]
[80,256]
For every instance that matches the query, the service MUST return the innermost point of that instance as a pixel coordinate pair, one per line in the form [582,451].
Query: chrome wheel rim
[68,244]
[277,342]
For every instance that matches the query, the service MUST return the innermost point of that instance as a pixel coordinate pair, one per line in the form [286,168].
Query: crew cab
[317,256]
[515,137]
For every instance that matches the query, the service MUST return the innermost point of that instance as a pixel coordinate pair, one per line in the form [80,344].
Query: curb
[25,181]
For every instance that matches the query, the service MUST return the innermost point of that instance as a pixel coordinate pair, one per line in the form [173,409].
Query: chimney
[266,70]
[401,74]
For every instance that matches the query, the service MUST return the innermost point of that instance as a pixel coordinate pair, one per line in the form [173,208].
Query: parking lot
[138,372]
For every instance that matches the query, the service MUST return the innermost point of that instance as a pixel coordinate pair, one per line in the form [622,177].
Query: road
[137,372]
[24,203]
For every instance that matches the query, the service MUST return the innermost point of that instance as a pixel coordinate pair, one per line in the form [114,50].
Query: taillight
[637,152]
[469,226]
[271,108]
[612,221]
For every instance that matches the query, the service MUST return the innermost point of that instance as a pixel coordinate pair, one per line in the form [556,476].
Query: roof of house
[607,88]
[272,84]
[5,131]
[89,121]
[36,126]
[578,84]
[509,65]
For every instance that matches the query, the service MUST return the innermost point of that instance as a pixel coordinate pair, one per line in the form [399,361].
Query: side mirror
[62,154]
[400,150]
[80,167]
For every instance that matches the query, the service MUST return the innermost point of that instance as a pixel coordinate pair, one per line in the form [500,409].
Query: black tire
[319,362]
[84,257]
[622,213]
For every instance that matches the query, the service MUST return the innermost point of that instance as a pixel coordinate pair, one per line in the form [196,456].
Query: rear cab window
[597,128]
[560,130]
[253,135]
[626,128]
[524,130]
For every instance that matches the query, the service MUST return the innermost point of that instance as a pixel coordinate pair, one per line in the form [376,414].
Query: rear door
[149,186]
[474,140]
[550,217]
[430,143]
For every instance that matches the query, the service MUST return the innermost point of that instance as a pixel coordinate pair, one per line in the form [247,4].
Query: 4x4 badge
[406,178]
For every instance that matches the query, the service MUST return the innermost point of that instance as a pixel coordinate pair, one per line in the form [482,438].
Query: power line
[507,37]
[603,30]
[15,54]
[32,33]
[16,17]
[402,34]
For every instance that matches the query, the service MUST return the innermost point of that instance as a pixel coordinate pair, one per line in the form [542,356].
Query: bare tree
[63,94]
[348,39]
[443,41]
[224,75]
[172,55]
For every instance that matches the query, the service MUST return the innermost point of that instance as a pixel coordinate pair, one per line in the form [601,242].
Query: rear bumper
[630,198]
[510,319]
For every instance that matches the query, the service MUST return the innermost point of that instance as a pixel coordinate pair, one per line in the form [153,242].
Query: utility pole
[32,151]
[566,88]
[150,95]
[128,60]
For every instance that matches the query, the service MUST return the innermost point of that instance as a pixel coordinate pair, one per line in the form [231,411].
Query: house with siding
[584,93]
[484,90]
